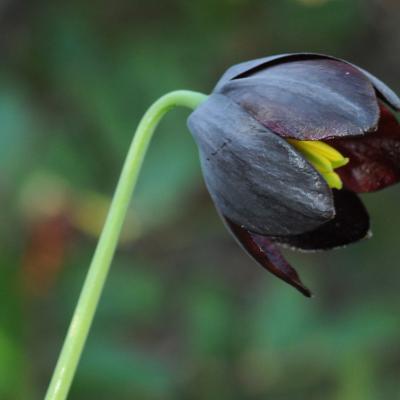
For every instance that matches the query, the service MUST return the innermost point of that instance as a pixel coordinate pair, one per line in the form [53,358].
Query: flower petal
[311,99]
[351,223]
[247,68]
[255,177]
[374,158]
[267,255]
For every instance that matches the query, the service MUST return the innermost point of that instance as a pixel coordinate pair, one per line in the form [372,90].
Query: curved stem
[100,265]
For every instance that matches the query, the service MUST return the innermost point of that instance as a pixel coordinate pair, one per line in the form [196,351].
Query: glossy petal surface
[247,68]
[267,255]
[254,176]
[351,223]
[374,159]
[309,99]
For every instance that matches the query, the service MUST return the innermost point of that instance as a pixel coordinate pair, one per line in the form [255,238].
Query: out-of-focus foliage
[185,314]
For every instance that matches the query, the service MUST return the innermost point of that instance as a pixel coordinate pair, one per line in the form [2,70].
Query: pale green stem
[100,265]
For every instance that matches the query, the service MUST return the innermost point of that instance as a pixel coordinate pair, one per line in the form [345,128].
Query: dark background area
[185,313]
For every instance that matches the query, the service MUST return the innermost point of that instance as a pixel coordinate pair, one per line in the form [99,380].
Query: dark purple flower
[256,134]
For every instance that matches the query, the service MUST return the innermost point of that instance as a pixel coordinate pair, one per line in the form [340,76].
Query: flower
[285,144]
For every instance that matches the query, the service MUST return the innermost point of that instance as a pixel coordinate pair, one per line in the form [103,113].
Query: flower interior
[324,158]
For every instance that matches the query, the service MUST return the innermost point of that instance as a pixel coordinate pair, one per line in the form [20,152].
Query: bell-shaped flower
[285,144]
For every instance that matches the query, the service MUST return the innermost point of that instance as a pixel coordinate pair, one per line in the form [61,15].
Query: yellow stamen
[333,180]
[324,159]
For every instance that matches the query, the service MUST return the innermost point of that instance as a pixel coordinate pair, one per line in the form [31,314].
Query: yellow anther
[333,180]
[340,163]
[322,148]
[324,159]
[319,161]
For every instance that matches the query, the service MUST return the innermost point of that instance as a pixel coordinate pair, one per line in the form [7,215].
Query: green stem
[100,265]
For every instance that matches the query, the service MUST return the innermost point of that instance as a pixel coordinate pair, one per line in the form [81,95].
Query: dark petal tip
[265,253]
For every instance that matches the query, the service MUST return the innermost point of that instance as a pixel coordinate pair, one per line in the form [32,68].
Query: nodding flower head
[285,144]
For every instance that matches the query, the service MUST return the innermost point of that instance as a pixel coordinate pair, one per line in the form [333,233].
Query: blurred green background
[185,313]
